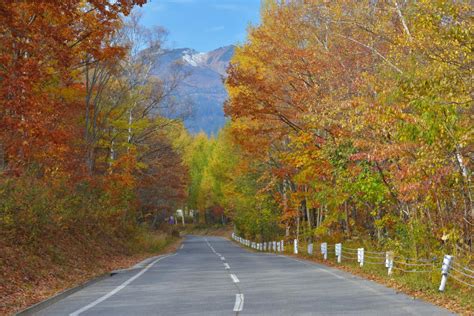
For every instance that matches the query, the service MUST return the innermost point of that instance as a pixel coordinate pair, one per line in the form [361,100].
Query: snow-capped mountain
[203,86]
[217,60]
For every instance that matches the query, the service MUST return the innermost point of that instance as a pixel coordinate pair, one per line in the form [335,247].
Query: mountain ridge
[203,86]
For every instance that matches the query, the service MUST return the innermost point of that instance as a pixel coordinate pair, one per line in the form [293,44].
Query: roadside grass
[150,242]
[457,298]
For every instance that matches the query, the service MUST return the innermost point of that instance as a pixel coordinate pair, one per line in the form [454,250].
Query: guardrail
[458,272]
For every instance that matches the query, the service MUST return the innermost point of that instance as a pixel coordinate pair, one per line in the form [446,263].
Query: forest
[91,145]
[347,120]
[352,121]
[356,119]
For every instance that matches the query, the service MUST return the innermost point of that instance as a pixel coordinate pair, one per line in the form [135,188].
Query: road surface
[213,276]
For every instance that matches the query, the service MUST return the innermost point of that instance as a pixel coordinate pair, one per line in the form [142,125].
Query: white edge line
[316,267]
[118,288]
[222,258]
[182,246]
[239,303]
[234,278]
[226,265]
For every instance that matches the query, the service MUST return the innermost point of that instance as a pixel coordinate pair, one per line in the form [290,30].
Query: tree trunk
[309,222]
[298,226]
[2,157]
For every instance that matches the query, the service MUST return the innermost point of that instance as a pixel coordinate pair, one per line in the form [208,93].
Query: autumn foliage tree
[87,147]
[43,47]
[360,114]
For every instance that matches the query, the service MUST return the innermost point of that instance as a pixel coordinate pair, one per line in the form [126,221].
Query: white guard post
[278,247]
[389,261]
[295,246]
[360,256]
[310,249]
[282,246]
[274,246]
[338,251]
[445,271]
[265,246]
[324,250]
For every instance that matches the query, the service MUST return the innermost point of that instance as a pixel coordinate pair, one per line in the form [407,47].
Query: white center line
[234,278]
[118,288]
[239,298]
[239,302]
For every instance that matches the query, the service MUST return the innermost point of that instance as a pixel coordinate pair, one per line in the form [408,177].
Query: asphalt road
[213,276]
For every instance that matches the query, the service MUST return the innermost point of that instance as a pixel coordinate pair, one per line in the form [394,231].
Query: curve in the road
[196,281]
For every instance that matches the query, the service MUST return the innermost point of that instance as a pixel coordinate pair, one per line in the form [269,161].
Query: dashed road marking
[239,298]
[234,278]
[239,302]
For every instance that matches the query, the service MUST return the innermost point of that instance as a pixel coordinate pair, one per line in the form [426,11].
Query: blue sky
[202,24]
